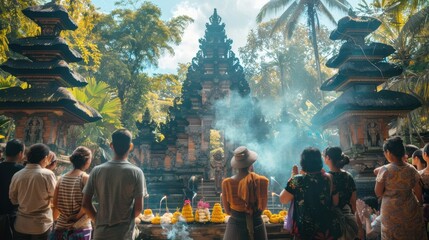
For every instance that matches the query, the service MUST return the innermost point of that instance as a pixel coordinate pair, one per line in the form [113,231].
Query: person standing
[119,187]
[244,197]
[32,189]
[14,153]
[311,193]
[72,222]
[424,173]
[344,190]
[398,185]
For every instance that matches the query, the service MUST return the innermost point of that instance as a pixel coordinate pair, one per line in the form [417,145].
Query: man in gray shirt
[119,187]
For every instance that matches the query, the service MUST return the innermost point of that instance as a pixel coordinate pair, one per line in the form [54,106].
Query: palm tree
[296,9]
[404,26]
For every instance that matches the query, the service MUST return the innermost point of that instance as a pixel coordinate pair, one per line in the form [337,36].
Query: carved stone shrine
[44,112]
[181,161]
[362,113]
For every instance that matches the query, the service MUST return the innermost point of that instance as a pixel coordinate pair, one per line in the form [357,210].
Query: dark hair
[426,149]
[395,145]
[13,147]
[79,157]
[311,160]
[372,202]
[338,158]
[410,149]
[419,154]
[121,140]
[37,153]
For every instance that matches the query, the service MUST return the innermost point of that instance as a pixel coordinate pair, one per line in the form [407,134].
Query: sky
[238,15]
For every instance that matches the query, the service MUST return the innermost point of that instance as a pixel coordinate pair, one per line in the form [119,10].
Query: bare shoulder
[85,177]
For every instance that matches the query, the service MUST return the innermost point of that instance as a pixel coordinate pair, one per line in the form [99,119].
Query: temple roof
[25,70]
[17,98]
[367,70]
[383,101]
[50,11]
[350,27]
[372,52]
[37,46]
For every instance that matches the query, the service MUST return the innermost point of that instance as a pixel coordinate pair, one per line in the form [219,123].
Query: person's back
[119,187]
[72,220]
[115,186]
[244,197]
[14,152]
[32,189]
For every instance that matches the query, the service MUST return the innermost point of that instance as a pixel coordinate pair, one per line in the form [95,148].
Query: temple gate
[177,164]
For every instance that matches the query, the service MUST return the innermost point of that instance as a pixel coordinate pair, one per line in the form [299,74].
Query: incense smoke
[277,130]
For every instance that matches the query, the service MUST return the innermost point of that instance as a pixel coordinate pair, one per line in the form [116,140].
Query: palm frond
[282,20]
[273,6]
[294,18]
[322,8]
[341,5]
[416,22]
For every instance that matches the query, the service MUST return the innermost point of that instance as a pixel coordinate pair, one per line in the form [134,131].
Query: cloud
[239,17]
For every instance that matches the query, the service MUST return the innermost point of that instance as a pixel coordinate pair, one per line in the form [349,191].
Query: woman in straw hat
[244,197]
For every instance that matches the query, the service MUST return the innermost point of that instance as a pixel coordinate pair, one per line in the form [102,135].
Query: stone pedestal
[208,231]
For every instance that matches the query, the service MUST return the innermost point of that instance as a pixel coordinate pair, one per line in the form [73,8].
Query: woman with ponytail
[344,192]
[72,222]
[398,184]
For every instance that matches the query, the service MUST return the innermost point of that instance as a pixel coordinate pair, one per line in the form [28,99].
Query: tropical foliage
[294,10]
[133,41]
[404,26]
[100,96]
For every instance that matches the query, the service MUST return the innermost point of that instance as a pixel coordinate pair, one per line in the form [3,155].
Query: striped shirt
[69,203]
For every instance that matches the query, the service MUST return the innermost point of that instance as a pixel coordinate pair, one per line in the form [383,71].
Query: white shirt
[32,189]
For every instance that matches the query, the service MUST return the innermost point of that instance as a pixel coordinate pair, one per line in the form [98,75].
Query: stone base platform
[198,231]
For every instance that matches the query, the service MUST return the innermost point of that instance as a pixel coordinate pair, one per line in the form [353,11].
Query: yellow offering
[187,211]
[217,214]
[156,220]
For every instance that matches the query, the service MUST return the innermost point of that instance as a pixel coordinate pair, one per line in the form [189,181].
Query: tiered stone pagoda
[362,113]
[44,112]
[214,73]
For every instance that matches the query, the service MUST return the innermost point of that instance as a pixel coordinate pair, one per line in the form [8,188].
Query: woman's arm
[353,199]
[379,189]
[418,192]
[55,210]
[225,202]
[380,182]
[285,197]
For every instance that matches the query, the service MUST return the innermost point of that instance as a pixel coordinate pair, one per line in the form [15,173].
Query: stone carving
[34,131]
[373,134]
[218,165]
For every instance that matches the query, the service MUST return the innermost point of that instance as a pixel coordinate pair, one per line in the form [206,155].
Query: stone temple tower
[362,113]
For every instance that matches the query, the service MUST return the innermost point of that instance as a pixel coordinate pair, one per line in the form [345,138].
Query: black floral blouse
[312,206]
[344,185]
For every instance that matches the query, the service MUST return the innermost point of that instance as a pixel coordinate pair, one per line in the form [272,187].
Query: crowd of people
[34,204]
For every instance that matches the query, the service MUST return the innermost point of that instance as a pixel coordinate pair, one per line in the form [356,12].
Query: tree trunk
[282,78]
[311,15]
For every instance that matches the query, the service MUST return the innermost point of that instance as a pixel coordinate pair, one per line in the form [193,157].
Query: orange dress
[249,195]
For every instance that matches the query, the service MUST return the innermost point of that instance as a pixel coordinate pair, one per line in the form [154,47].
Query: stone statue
[33,131]
[218,165]
[373,134]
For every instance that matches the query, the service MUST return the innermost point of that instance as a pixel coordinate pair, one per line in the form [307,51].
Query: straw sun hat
[243,157]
